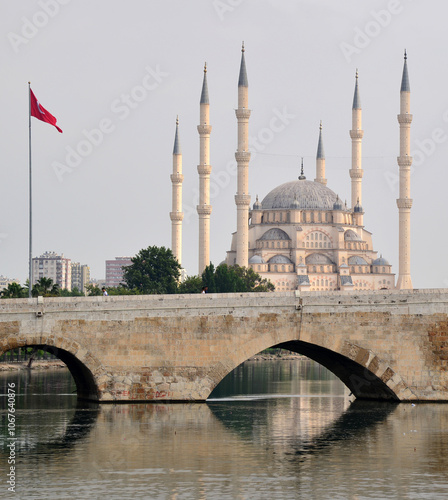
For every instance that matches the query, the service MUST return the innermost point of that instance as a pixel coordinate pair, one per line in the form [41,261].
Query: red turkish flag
[39,112]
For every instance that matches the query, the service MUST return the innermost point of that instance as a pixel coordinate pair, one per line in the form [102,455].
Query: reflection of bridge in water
[389,345]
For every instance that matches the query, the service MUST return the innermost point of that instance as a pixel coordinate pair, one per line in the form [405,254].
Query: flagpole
[30,258]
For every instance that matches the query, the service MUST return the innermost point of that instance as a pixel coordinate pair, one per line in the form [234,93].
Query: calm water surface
[272,430]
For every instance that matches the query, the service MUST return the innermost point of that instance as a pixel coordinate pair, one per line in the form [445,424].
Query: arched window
[307,245]
[325,244]
[314,269]
[320,244]
[384,269]
[283,268]
[319,217]
[278,244]
[321,269]
[320,236]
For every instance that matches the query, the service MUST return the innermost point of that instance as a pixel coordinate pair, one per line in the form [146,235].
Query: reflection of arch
[83,366]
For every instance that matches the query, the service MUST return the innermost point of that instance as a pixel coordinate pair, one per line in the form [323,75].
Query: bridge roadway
[389,345]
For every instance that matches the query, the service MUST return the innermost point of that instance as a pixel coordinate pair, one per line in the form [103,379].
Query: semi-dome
[318,258]
[308,194]
[256,259]
[381,261]
[279,259]
[275,234]
[356,260]
[350,235]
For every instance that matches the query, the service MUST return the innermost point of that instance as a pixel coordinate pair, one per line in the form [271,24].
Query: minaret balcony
[404,161]
[356,134]
[404,203]
[204,129]
[243,113]
[356,173]
[242,199]
[177,216]
[204,209]
[204,169]
[242,156]
[404,118]
[177,178]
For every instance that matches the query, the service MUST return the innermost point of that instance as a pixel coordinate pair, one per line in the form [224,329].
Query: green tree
[45,287]
[93,290]
[253,282]
[14,291]
[231,279]
[192,284]
[121,290]
[153,270]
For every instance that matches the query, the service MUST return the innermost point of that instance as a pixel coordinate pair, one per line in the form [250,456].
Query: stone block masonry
[388,345]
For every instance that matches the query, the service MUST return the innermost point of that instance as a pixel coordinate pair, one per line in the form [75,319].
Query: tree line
[155,270]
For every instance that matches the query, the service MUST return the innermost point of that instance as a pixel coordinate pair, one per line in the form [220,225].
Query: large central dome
[304,194]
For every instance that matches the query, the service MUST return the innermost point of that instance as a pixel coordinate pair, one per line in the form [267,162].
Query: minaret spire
[177,215]
[356,134]
[302,175]
[404,202]
[320,160]
[204,208]
[242,155]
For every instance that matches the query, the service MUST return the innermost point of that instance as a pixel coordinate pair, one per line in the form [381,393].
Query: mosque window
[352,269]
[314,269]
[325,244]
[307,245]
[329,245]
[308,237]
[384,269]
[360,269]
[319,217]
[281,216]
[262,219]
[283,268]
[278,244]
[312,236]
[326,216]
[349,246]
[321,269]
[312,217]
[320,244]
[320,236]
[312,245]
[376,269]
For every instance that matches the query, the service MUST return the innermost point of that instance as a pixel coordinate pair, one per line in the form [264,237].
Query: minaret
[204,169]
[404,203]
[242,155]
[320,160]
[177,215]
[356,134]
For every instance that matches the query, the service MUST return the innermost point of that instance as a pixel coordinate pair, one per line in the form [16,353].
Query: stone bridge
[389,345]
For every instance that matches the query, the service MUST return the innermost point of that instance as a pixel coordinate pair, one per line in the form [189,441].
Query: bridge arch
[83,366]
[361,370]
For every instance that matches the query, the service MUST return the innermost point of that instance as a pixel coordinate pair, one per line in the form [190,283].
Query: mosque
[301,236]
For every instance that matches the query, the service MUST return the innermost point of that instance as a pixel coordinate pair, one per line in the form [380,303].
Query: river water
[272,430]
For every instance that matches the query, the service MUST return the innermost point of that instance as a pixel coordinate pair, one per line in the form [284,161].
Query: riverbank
[35,365]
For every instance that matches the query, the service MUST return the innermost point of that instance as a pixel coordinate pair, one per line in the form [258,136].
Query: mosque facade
[301,236]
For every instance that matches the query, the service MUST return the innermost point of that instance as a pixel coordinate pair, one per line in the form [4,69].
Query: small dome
[275,234]
[337,205]
[279,259]
[358,208]
[355,259]
[318,258]
[257,204]
[380,262]
[350,235]
[256,259]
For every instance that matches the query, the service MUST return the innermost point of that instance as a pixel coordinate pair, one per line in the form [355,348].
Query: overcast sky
[128,68]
